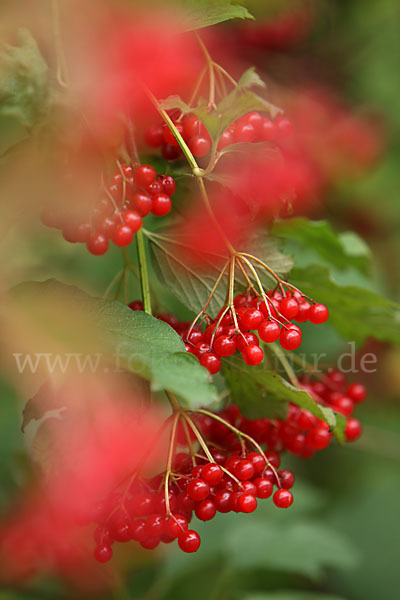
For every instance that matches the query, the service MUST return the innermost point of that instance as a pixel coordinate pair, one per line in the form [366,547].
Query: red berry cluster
[271,319]
[191,129]
[132,194]
[253,127]
[233,482]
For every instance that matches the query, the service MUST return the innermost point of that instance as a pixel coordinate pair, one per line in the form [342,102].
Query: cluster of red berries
[233,482]
[271,319]
[252,127]
[132,194]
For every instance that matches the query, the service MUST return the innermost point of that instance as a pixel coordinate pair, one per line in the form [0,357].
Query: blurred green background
[341,537]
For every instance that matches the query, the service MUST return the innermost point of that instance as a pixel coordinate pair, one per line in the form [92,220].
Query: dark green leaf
[203,13]
[356,313]
[134,340]
[342,251]
[24,81]
[291,595]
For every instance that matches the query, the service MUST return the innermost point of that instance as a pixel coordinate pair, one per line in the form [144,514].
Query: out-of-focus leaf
[291,595]
[203,13]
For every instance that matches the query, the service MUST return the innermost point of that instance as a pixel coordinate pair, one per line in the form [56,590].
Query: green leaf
[193,286]
[342,251]
[291,595]
[356,313]
[306,548]
[255,388]
[24,81]
[248,388]
[203,13]
[175,102]
[133,340]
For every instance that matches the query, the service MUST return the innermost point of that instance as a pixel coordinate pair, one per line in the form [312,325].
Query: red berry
[255,119]
[244,470]
[205,510]
[269,331]
[197,489]
[264,487]
[251,318]
[247,503]
[283,127]
[223,501]
[175,525]
[132,219]
[196,336]
[267,131]
[170,152]
[122,236]
[224,345]
[226,139]
[154,135]
[192,126]
[290,339]
[283,498]
[303,312]
[244,132]
[97,244]
[150,543]
[212,473]
[353,430]
[273,458]
[318,314]
[318,438]
[155,188]
[103,553]
[168,184]
[201,348]
[246,339]
[139,530]
[253,355]
[154,525]
[357,392]
[211,362]
[289,308]
[189,541]
[257,460]
[199,145]
[144,175]
[161,205]
[343,404]
[286,479]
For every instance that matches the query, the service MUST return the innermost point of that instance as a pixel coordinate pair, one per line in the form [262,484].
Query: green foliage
[291,595]
[24,81]
[342,252]
[355,312]
[133,340]
[203,13]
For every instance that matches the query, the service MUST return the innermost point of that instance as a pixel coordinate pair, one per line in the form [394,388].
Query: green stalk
[144,273]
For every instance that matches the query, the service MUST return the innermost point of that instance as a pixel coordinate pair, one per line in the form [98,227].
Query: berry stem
[62,67]
[171,451]
[113,282]
[144,274]
[211,73]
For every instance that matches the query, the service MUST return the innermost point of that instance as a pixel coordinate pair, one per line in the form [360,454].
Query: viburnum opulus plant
[200,195]
[218,460]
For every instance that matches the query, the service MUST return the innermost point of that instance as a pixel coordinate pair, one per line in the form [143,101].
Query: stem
[171,450]
[277,350]
[113,282]
[62,68]
[144,275]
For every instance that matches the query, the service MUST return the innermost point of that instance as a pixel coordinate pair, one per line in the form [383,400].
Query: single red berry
[141,202]
[132,219]
[224,345]
[197,489]
[255,119]
[196,336]
[168,184]
[205,510]
[170,152]
[231,462]
[97,244]
[192,126]
[161,205]
[199,145]
[286,478]
[273,458]
[283,128]
[343,404]
[247,503]
[175,525]
[212,473]
[139,530]
[269,331]
[244,470]
[246,339]
[303,312]
[318,314]
[264,487]
[283,498]
[222,501]
[144,175]
[154,525]
[154,135]
[257,460]
[103,553]
[211,362]
[155,187]
[267,131]
[197,471]
[226,139]
[201,348]
[169,137]
[253,355]
[357,392]
[189,541]
[289,308]
[122,236]
[150,543]
[306,420]
[290,339]
[335,378]
[353,430]
[251,318]
[318,438]
[248,487]
[244,132]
